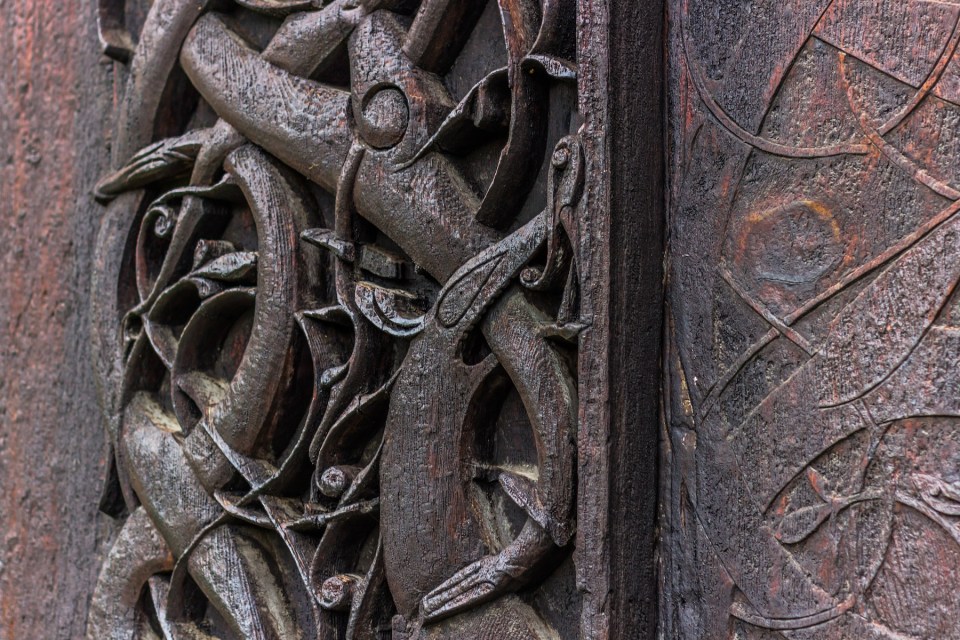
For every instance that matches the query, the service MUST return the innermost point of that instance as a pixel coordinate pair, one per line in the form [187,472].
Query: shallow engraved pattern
[812,393]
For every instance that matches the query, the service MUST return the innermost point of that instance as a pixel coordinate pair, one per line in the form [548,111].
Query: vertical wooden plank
[55,92]
[621,84]
[592,545]
[636,268]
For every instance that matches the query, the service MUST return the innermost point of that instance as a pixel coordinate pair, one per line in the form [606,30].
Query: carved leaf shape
[556,68]
[208,250]
[389,309]
[456,301]
[233,267]
[355,423]
[333,375]
[233,504]
[282,511]
[366,481]
[486,106]
[799,525]
[319,521]
[327,239]
[940,496]
[335,314]
[370,601]
[821,485]
[476,284]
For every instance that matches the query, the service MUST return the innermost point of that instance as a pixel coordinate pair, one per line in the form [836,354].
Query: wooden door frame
[622,96]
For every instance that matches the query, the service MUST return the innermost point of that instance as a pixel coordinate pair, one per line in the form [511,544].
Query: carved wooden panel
[811,486]
[337,309]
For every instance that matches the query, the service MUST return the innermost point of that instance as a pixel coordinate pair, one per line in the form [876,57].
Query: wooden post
[55,89]
[621,54]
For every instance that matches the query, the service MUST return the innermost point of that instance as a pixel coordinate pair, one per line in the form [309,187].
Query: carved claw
[160,161]
[479,582]
[490,577]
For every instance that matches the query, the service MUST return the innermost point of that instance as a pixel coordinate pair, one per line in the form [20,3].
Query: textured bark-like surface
[811,486]
[345,267]
[56,102]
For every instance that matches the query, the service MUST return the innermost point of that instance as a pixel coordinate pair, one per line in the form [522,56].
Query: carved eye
[794,244]
[384,116]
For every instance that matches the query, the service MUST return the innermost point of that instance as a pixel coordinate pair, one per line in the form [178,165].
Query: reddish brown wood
[55,88]
[810,486]
[377,323]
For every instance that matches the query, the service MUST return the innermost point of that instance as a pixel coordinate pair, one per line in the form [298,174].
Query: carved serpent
[372,146]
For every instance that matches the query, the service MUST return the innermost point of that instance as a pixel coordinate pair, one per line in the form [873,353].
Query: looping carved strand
[360,417]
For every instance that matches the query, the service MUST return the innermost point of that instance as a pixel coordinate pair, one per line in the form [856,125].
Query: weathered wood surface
[810,470]
[55,115]
[621,43]
[557,551]
[337,300]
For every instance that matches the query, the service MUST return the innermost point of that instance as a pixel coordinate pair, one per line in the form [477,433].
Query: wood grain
[809,458]
[55,89]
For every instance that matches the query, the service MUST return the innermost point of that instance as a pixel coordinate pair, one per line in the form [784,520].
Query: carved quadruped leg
[138,553]
[157,462]
[230,565]
[374,435]
[237,566]
[514,329]
[438,575]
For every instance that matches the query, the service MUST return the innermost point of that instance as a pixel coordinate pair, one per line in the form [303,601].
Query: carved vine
[813,324]
[337,315]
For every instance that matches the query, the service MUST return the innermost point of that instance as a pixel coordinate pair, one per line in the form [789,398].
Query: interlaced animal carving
[337,318]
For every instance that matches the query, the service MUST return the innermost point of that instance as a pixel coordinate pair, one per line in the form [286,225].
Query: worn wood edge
[621,53]
[592,546]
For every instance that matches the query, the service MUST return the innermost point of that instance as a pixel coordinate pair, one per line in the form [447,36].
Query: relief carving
[336,304]
[813,394]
